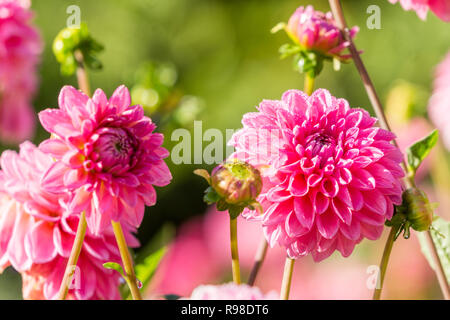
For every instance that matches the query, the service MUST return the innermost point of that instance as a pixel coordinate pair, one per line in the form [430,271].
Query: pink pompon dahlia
[439,104]
[37,233]
[330,177]
[107,156]
[440,7]
[231,291]
[317,31]
[20,49]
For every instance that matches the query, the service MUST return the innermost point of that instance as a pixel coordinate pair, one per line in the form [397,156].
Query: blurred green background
[226,56]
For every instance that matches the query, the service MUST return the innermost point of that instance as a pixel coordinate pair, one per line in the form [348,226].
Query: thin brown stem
[338,13]
[259,259]
[73,258]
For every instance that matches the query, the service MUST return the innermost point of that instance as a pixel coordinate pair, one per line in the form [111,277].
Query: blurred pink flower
[440,7]
[37,233]
[231,291]
[332,176]
[107,155]
[439,104]
[20,49]
[317,31]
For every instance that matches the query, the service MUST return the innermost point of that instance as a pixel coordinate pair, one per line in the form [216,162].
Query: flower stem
[384,262]
[287,279]
[73,258]
[309,84]
[234,252]
[82,76]
[259,259]
[338,14]
[130,276]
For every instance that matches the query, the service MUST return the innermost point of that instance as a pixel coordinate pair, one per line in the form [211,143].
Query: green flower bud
[418,209]
[237,182]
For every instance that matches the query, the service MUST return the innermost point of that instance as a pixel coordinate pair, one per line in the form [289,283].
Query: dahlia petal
[352,231]
[345,246]
[320,202]
[53,179]
[320,256]
[304,211]
[56,121]
[293,227]
[74,179]
[88,280]
[329,187]
[54,147]
[63,242]
[363,180]
[371,232]
[120,99]
[80,201]
[327,224]
[16,252]
[369,217]
[342,211]
[375,201]
[298,186]
[39,243]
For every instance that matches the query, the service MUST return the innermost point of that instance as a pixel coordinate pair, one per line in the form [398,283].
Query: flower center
[115,149]
[320,144]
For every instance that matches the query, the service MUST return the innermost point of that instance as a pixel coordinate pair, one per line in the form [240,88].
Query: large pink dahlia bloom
[330,176]
[20,48]
[37,233]
[440,7]
[317,31]
[439,104]
[231,291]
[106,154]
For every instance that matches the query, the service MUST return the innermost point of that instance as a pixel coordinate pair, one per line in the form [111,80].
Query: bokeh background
[219,60]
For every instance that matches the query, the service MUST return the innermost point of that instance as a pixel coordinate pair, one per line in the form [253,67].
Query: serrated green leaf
[114,266]
[420,149]
[146,270]
[440,232]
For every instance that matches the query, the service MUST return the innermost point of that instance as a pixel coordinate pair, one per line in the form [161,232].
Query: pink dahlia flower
[330,176]
[37,234]
[439,104]
[317,31]
[231,291]
[20,48]
[440,7]
[106,154]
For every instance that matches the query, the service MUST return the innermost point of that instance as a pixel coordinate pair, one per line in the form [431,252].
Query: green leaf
[172,297]
[211,196]
[419,151]
[235,211]
[440,232]
[146,269]
[114,266]
[288,49]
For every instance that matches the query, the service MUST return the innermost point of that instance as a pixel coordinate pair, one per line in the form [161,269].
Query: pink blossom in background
[439,104]
[317,31]
[231,291]
[440,7]
[106,154]
[37,233]
[331,177]
[20,49]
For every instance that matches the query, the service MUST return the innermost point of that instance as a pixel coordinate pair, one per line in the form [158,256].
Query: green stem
[130,276]
[384,263]
[259,259]
[287,279]
[73,258]
[234,252]
[309,84]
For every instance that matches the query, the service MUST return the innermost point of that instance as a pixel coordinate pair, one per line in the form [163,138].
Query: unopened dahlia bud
[234,186]
[236,182]
[72,39]
[418,209]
